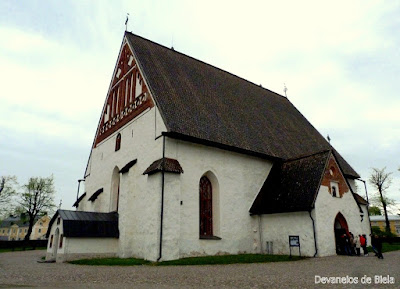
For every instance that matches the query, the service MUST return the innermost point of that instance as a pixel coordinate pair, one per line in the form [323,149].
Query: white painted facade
[326,210]
[236,180]
[140,195]
[276,228]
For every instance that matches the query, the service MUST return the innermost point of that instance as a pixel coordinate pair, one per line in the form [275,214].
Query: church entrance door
[340,229]
[55,244]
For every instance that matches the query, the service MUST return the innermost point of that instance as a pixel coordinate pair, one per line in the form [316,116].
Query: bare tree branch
[381,180]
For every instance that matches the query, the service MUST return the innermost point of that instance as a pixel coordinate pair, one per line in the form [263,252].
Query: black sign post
[294,241]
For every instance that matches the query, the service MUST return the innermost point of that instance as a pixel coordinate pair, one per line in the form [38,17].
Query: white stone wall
[239,177]
[79,248]
[277,228]
[326,210]
[53,252]
[139,195]
[365,224]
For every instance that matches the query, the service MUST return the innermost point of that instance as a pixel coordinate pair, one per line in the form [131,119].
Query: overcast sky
[339,61]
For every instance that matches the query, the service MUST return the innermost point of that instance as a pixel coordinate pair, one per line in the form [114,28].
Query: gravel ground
[21,270]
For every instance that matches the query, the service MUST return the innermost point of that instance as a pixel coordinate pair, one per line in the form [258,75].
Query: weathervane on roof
[285,89]
[59,206]
[126,21]
[328,138]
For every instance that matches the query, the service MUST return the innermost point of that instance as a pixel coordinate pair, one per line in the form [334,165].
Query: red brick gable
[333,174]
[127,98]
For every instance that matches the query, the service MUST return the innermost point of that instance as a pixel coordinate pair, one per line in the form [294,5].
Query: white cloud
[337,60]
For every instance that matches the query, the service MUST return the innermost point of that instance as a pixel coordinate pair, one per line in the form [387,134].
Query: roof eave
[192,139]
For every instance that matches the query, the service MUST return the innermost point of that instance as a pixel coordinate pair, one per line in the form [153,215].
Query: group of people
[350,245]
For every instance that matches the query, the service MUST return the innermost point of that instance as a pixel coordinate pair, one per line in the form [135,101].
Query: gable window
[335,189]
[206,221]
[118,142]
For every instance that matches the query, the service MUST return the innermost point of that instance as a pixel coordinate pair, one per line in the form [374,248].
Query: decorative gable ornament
[128,95]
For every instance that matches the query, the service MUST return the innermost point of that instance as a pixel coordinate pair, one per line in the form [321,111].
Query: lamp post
[79,183]
[366,194]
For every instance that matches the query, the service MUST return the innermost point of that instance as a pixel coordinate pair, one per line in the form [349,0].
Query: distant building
[16,228]
[379,221]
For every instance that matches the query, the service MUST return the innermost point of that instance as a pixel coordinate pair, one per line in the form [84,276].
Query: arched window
[115,181]
[206,214]
[118,142]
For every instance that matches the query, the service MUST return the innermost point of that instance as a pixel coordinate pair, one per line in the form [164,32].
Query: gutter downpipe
[259,230]
[315,239]
[162,199]
[366,193]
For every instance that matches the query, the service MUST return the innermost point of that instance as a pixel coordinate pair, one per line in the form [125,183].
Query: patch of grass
[110,262]
[231,259]
[3,250]
[206,260]
[387,247]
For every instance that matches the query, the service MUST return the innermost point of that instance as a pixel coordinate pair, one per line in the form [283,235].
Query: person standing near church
[357,242]
[363,241]
[377,246]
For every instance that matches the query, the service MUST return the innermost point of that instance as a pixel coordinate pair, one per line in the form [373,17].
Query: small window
[118,142]
[335,190]
[40,230]
[58,221]
[332,171]
[61,240]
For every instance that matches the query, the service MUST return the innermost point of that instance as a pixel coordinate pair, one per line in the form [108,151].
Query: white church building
[191,160]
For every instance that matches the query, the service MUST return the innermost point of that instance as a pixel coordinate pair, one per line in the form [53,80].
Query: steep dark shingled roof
[87,224]
[201,101]
[166,164]
[291,186]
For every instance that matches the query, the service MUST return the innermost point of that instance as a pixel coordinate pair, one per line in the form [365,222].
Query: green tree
[381,181]
[8,191]
[374,211]
[37,197]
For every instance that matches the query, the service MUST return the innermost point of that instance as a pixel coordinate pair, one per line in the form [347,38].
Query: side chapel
[191,160]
